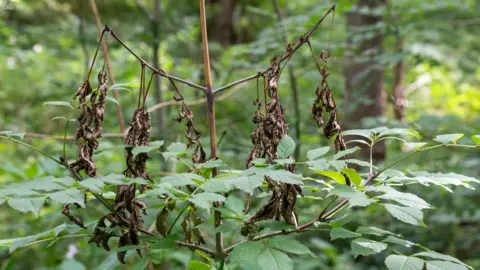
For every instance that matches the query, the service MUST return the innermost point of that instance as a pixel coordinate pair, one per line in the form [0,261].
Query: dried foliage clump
[91,123]
[271,128]
[192,134]
[325,102]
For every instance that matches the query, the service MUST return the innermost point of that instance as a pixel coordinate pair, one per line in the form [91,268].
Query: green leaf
[181,179]
[366,133]
[353,176]
[285,147]
[448,138]
[198,265]
[26,205]
[476,139]
[409,215]
[319,164]
[407,199]
[128,84]
[217,185]
[400,131]
[316,153]
[274,260]
[338,177]
[373,231]
[9,134]
[342,233]
[217,163]
[246,183]
[284,161]
[59,103]
[338,164]
[359,162]
[435,255]
[145,149]
[346,152]
[93,184]
[204,200]
[65,181]
[414,146]
[443,265]
[175,150]
[399,262]
[399,241]
[22,242]
[71,195]
[355,197]
[247,252]
[289,245]
[285,177]
[113,100]
[365,247]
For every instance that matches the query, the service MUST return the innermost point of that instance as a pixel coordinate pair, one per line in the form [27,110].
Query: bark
[156,63]
[224,23]
[399,101]
[363,74]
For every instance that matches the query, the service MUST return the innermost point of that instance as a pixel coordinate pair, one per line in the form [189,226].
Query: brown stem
[211,117]
[121,121]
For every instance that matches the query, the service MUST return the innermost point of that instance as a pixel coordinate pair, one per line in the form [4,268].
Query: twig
[61,137]
[121,121]
[286,56]
[211,117]
[143,62]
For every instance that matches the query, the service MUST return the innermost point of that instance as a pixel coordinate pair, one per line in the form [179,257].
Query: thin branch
[33,148]
[61,137]
[286,56]
[98,22]
[143,62]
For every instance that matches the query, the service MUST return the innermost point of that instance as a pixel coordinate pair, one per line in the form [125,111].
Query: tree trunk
[156,63]
[224,22]
[399,101]
[364,76]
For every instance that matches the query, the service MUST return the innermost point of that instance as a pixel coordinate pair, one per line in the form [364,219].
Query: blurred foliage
[46,46]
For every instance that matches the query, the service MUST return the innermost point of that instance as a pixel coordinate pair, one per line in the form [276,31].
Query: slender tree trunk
[363,73]
[293,82]
[156,63]
[399,101]
[224,22]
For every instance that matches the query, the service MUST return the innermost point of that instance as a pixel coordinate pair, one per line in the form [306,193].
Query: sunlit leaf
[356,198]
[338,177]
[400,262]
[316,153]
[448,138]
[409,215]
[343,153]
[59,103]
[414,146]
[364,247]
[476,139]
[353,176]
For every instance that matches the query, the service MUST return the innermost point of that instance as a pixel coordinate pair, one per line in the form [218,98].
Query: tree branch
[143,62]
[285,57]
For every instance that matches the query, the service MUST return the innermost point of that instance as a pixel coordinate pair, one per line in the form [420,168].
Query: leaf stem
[33,148]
